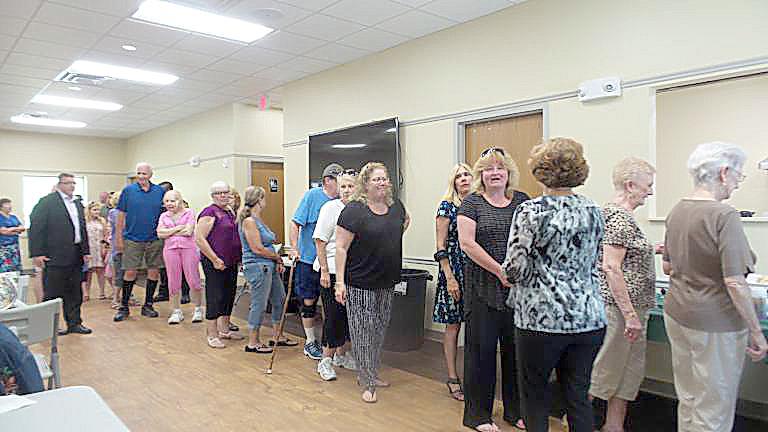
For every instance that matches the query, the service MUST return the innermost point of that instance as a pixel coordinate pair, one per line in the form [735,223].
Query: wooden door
[269,175]
[516,135]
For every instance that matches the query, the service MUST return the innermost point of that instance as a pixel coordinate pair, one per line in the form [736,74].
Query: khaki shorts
[138,254]
[619,368]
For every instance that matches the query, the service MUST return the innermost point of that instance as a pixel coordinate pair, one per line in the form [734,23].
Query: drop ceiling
[41,38]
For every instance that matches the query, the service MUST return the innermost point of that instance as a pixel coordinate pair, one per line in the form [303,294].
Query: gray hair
[628,169]
[219,186]
[144,165]
[706,161]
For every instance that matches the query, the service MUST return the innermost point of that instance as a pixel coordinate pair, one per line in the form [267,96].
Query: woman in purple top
[219,242]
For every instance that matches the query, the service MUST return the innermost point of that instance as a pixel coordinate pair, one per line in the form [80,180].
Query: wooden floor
[158,377]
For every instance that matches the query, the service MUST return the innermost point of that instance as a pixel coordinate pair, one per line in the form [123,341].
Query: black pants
[485,327]
[336,325]
[162,290]
[572,356]
[220,286]
[64,282]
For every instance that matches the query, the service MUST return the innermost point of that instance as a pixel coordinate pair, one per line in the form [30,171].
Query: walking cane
[282,319]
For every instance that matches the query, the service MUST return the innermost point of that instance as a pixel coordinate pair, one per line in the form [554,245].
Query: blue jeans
[265,283]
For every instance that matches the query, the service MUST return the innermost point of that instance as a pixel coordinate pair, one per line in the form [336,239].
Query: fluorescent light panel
[42,121]
[121,72]
[348,146]
[76,103]
[199,21]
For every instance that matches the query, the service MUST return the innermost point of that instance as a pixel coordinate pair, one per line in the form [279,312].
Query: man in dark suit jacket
[58,242]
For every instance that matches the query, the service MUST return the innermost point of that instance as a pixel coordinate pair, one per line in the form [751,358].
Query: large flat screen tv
[355,146]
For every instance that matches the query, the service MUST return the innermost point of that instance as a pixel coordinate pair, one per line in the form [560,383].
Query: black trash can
[406,322]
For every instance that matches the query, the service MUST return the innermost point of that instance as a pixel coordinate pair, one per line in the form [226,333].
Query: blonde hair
[559,163]
[252,195]
[485,161]
[93,205]
[451,194]
[628,169]
[114,199]
[361,194]
[347,178]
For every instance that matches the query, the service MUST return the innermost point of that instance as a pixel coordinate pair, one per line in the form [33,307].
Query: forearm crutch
[279,332]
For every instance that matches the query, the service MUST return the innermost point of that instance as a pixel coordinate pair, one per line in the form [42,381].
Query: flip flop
[285,342]
[258,349]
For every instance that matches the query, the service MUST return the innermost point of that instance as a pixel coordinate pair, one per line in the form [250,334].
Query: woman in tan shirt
[708,312]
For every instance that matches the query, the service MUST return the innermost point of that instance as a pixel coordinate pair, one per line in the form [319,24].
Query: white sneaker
[325,369]
[198,315]
[176,317]
[338,360]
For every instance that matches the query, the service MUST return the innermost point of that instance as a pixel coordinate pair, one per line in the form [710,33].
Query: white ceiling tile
[337,53]
[23,59]
[19,8]
[80,19]
[139,31]
[236,66]
[324,27]
[247,86]
[114,45]
[280,75]
[6,42]
[373,39]
[157,101]
[113,58]
[306,64]
[214,76]
[290,42]
[3,53]
[208,45]
[215,99]
[11,26]
[413,3]
[415,24]
[60,35]
[123,97]
[35,83]
[48,49]
[180,93]
[314,5]
[186,58]
[264,12]
[367,12]
[462,10]
[62,89]
[83,115]
[121,8]
[173,69]
[16,90]
[196,84]
[261,56]
[27,71]
[12,100]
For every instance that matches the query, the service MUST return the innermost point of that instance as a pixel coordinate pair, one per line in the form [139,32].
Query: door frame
[460,124]
[265,159]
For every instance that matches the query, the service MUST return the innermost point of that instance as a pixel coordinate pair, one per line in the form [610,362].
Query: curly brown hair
[559,163]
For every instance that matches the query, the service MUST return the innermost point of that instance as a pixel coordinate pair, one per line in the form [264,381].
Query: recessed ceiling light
[199,21]
[348,146]
[129,47]
[74,88]
[42,121]
[119,72]
[76,103]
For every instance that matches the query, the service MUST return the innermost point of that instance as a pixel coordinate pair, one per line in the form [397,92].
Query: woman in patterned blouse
[483,222]
[627,282]
[552,264]
[449,304]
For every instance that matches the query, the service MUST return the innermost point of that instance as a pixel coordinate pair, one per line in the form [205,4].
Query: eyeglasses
[379,180]
[489,150]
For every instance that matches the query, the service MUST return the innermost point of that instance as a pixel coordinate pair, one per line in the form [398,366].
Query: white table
[75,409]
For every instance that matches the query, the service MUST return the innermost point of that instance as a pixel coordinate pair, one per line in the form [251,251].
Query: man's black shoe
[122,314]
[148,311]
[79,329]
[185,299]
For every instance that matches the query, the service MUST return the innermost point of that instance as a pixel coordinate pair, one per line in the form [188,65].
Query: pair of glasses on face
[490,150]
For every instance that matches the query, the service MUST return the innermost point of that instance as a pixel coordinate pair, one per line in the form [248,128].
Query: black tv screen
[355,146]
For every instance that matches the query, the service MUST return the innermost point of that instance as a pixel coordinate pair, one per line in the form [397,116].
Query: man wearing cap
[307,280]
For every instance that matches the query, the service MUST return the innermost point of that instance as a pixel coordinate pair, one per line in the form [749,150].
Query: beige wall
[536,49]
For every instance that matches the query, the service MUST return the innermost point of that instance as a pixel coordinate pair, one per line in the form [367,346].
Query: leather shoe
[185,299]
[79,329]
[122,314]
[148,311]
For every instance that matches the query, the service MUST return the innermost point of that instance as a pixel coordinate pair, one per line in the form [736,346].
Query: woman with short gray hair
[708,312]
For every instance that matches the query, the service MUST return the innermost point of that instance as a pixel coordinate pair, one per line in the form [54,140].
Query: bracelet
[440,255]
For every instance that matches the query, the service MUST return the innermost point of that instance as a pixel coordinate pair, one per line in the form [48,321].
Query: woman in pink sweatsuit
[177,228]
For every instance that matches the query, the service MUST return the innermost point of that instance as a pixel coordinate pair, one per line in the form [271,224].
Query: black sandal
[233,327]
[258,349]
[455,392]
[285,342]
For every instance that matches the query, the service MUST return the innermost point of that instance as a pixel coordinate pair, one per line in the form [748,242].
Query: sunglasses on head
[350,172]
[490,150]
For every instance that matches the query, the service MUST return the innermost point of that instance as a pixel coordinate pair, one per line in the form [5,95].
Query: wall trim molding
[251,156]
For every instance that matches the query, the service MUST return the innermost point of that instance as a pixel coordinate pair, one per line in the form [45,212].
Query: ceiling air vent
[81,78]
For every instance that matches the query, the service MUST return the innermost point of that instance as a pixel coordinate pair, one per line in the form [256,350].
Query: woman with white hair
[627,283]
[708,312]
[219,241]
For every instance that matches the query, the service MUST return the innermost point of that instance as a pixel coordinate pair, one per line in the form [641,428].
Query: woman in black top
[483,220]
[369,255]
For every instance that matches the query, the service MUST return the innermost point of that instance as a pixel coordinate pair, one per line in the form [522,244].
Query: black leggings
[220,287]
[335,325]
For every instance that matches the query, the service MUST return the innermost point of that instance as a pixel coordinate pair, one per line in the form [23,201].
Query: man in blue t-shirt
[136,237]
[307,280]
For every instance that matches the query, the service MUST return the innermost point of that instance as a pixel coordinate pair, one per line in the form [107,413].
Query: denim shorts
[306,281]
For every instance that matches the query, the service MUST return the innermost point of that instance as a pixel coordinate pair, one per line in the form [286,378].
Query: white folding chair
[35,324]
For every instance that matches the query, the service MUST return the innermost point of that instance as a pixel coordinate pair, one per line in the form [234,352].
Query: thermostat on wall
[599,88]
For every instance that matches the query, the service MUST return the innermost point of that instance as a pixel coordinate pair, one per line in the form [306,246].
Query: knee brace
[308,311]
